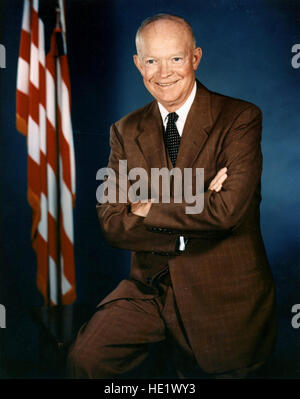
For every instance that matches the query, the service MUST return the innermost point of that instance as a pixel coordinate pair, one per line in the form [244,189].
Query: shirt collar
[183,111]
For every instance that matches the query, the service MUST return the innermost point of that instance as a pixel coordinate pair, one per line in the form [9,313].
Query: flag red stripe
[22,104]
[22,111]
[25,46]
[42,85]
[50,65]
[34,27]
[43,167]
[34,176]
[65,153]
[34,103]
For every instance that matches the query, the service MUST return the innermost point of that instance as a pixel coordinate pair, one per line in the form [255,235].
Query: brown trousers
[119,337]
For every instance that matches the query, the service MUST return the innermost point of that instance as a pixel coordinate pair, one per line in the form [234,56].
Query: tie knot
[172,117]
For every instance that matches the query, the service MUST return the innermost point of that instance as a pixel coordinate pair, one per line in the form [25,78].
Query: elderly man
[199,282]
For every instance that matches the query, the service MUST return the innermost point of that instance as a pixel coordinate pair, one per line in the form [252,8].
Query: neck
[175,106]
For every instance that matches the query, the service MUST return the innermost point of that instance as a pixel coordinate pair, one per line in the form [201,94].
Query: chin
[163,95]
[169,99]
[166,98]
[168,102]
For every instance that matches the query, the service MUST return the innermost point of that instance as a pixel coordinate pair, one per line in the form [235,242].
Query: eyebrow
[173,55]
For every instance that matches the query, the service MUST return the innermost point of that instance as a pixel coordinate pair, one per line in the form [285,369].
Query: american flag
[44,116]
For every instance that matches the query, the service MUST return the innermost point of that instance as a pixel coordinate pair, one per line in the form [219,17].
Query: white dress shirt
[182,113]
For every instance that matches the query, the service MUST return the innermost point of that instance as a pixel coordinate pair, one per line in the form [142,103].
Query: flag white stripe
[34,65]
[53,281]
[26,16]
[43,225]
[33,140]
[66,207]
[42,127]
[35,5]
[41,43]
[23,75]
[50,98]
[65,285]
[52,192]
[67,130]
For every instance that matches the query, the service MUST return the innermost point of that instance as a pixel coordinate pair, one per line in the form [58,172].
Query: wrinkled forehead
[166,34]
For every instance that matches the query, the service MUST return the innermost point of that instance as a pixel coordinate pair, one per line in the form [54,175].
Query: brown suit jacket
[222,282]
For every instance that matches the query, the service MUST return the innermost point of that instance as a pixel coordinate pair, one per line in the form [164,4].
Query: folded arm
[156,227]
[121,227]
[223,210]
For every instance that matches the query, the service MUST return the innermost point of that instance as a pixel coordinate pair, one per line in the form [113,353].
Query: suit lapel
[150,140]
[198,123]
[196,129]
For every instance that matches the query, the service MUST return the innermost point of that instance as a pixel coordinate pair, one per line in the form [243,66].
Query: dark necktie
[172,141]
[172,137]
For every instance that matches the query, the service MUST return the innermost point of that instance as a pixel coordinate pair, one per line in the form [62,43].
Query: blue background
[246,54]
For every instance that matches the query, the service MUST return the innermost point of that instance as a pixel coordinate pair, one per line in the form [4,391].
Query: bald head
[173,21]
[167,59]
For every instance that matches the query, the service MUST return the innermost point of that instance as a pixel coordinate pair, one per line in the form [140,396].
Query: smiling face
[167,60]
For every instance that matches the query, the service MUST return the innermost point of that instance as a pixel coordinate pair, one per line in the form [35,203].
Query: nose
[164,70]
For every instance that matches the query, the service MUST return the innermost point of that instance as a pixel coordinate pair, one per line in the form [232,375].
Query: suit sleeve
[223,210]
[121,228]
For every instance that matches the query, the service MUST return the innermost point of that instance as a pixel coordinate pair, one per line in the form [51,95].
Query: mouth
[166,84]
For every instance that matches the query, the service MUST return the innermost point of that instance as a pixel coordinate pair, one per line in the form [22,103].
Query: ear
[138,63]
[197,55]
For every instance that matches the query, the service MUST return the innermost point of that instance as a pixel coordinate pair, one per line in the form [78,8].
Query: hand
[140,208]
[218,180]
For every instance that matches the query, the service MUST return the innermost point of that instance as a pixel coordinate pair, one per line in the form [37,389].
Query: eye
[150,61]
[177,60]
